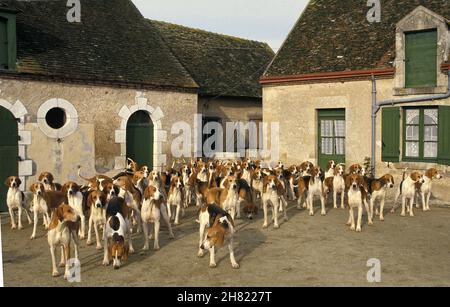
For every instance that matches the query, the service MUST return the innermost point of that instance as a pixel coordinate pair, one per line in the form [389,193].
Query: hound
[17,200]
[336,183]
[176,199]
[96,202]
[153,208]
[425,190]
[117,243]
[407,190]
[44,202]
[62,231]
[47,179]
[220,233]
[257,184]
[357,196]
[273,192]
[378,189]
[315,188]
[75,200]
[330,171]
[133,198]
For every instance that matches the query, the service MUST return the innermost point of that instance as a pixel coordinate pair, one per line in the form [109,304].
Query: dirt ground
[305,251]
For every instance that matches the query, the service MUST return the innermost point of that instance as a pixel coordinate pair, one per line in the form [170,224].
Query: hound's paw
[145,248]
[358,229]
[62,264]
[89,242]
[82,237]
[265,226]
[311,214]
[33,237]
[276,226]
[352,228]
[150,237]
[235,265]
[403,214]
[171,236]
[200,254]
[411,214]
[55,273]
[212,265]
[382,218]
[99,247]
[370,223]
[131,250]
[323,213]
[13,227]
[156,248]
[342,207]
[335,207]
[105,262]
[176,223]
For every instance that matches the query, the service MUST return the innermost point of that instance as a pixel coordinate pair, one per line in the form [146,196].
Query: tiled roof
[220,64]
[113,43]
[334,36]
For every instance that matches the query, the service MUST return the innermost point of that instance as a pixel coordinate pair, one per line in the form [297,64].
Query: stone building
[227,70]
[339,68]
[87,93]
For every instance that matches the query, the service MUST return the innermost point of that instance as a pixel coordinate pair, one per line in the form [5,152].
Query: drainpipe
[376,107]
[374,124]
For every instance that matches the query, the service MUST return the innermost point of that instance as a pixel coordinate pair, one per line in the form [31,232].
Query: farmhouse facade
[345,88]
[91,93]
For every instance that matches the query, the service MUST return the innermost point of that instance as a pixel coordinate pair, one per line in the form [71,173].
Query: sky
[263,20]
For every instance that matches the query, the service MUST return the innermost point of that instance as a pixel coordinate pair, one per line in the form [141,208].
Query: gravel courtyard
[305,251]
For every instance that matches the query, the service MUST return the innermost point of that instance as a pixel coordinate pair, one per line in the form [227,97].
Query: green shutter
[390,135]
[421,59]
[3,43]
[444,135]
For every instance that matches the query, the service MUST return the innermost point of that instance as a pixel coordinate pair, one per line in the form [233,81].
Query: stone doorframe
[159,135]
[19,111]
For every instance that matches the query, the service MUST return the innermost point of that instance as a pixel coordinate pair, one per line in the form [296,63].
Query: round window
[56,118]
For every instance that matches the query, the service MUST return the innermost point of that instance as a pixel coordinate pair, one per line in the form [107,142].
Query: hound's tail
[404,174]
[79,174]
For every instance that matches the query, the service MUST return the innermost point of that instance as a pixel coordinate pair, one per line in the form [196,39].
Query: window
[421,59]
[56,118]
[421,133]
[7,38]
[331,136]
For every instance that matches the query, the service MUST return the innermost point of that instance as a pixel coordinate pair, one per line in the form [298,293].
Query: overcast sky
[263,20]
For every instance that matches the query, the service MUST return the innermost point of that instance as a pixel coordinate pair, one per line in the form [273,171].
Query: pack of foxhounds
[138,199]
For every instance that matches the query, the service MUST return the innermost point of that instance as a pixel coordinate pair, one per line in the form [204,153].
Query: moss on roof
[221,64]
[334,35]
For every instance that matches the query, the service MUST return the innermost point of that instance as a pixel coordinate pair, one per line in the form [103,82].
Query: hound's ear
[347,182]
[50,176]
[226,184]
[64,189]
[32,189]
[19,181]
[41,176]
[392,179]
[60,213]
[116,189]
[7,181]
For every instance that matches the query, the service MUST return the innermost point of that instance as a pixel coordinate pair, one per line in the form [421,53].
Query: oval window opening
[56,118]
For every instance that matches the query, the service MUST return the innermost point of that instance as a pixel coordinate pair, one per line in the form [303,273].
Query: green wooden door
[331,136]
[3,43]
[421,59]
[140,139]
[9,152]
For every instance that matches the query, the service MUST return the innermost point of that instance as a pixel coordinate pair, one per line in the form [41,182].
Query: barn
[356,84]
[94,92]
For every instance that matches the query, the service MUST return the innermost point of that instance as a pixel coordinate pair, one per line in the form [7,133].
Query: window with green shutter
[390,135]
[8,48]
[421,59]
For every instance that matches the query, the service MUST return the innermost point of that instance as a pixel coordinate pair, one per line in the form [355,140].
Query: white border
[71,118]
[1,256]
